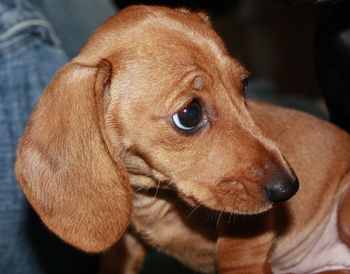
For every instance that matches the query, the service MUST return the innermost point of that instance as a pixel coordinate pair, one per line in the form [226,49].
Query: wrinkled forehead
[158,34]
[181,38]
[153,46]
[179,41]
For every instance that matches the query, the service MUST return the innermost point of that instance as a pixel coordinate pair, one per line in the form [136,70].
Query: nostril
[282,190]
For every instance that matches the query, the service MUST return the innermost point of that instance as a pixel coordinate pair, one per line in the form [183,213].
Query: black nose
[282,189]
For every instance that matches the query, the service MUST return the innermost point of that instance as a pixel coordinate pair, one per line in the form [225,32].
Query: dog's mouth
[241,198]
[232,193]
[238,206]
[235,200]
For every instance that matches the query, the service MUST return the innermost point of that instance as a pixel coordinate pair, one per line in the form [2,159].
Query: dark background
[273,38]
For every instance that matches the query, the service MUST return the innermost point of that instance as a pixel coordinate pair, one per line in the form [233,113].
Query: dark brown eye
[245,85]
[189,117]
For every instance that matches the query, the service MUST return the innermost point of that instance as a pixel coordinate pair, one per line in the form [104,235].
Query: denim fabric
[29,57]
[75,20]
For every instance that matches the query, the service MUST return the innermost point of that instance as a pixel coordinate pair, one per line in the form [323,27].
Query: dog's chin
[249,210]
[256,210]
[250,207]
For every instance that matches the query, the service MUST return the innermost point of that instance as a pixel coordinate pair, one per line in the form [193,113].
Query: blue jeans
[29,57]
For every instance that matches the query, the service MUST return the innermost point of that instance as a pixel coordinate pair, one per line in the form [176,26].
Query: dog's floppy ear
[65,166]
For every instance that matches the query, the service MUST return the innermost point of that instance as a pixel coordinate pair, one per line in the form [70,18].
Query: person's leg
[29,57]
[75,20]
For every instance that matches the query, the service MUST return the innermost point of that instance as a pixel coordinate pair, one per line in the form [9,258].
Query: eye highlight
[189,117]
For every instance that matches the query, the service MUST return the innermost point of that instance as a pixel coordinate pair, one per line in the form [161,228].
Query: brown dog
[149,122]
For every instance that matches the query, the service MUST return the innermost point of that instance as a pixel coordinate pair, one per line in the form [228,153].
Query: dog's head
[154,100]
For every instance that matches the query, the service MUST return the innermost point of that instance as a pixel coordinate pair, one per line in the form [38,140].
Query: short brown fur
[101,152]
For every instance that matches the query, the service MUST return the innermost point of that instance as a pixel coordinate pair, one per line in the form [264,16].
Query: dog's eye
[188,117]
[245,85]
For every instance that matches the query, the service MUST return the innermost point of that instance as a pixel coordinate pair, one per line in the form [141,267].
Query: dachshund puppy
[146,134]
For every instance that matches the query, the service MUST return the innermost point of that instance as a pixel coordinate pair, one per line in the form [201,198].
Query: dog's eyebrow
[197,82]
[245,74]
[192,78]
[237,71]
[187,85]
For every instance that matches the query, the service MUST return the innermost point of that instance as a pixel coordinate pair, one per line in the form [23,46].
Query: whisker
[232,218]
[141,188]
[210,216]
[192,211]
[158,186]
[281,133]
[218,221]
